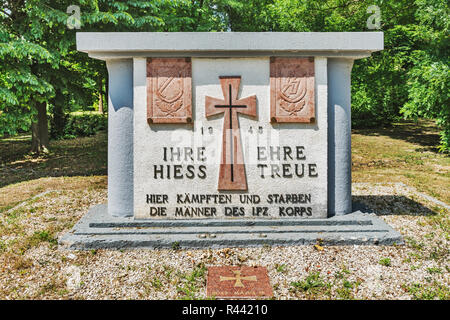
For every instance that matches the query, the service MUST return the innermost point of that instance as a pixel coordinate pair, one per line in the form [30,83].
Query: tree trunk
[100,94]
[39,130]
[106,101]
[58,120]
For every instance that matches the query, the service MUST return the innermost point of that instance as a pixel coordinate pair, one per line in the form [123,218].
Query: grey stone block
[97,229]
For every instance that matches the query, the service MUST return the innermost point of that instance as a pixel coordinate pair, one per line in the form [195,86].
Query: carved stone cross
[238,278]
[232,168]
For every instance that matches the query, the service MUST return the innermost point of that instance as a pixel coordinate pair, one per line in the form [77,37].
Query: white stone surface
[150,140]
[108,45]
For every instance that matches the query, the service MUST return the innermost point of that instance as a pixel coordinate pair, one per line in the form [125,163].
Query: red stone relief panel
[238,282]
[169,97]
[292,90]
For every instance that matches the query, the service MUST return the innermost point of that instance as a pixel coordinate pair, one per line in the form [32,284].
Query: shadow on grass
[83,156]
[388,205]
[423,133]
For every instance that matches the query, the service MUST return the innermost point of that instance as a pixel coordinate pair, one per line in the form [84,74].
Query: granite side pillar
[339,136]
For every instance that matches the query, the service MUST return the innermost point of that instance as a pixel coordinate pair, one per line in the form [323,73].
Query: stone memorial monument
[228,139]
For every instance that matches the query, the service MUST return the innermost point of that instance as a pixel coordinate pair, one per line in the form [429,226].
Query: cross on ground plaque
[232,168]
[238,278]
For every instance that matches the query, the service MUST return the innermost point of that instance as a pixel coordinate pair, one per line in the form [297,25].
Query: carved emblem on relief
[292,90]
[292,94]
[169,90]
[169,95]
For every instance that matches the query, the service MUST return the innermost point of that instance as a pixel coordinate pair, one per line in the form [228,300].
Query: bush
[84,123]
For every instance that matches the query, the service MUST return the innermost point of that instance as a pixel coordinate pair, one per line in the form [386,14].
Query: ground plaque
[228,139]
[238,282]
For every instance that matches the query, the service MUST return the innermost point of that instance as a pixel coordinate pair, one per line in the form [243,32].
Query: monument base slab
[98,230]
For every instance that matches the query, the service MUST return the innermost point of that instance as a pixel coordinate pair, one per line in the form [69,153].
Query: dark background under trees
[50,90]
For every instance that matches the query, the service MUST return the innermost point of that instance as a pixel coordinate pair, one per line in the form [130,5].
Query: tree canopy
[42,73]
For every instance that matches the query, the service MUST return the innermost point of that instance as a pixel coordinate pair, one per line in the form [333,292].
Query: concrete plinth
[97,229]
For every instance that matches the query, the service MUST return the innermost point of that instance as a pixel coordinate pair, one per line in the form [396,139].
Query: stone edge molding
[121,50]
[104,45]
[97,229]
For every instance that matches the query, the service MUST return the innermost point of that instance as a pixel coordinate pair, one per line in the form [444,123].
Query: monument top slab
[109,45]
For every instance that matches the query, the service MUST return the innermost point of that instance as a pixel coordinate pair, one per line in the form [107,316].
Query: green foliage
[84,123]
[409,77]
[176,245]
[43,236]
[428,77]
[40,61]
[312,282]
[281,268]
[156,283]
[191,283]
[385,262]
[429,292]
[34,46]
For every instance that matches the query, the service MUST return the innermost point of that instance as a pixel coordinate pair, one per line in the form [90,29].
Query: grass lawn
[76,164]
[403,153]
[41,198]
